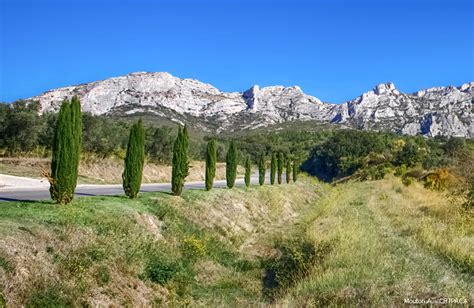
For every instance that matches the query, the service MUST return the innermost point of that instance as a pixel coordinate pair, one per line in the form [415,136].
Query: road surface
[42,193]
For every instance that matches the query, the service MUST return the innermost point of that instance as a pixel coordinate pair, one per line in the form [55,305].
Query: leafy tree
[231,165]
[66,152]
[211,159]
[343,153]
[180,162]
[288,171]
[280,162]
[261,168]
[134,161]
[159,146]
[104,136]
[248,170]
[295,171]
[20,126]
[273,167]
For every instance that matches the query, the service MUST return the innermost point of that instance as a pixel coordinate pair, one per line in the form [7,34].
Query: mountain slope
[435,111]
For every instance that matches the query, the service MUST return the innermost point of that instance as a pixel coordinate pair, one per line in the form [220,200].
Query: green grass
[149,250]
[370,243]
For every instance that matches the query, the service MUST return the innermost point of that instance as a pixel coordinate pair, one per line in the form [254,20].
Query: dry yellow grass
[391,242]
[107,171]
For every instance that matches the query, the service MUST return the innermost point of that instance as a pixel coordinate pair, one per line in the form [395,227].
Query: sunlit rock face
[435,111]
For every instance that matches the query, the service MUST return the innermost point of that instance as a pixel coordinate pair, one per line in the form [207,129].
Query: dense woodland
[331,155]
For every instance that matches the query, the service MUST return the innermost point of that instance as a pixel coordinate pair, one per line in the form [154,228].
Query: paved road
[29,194]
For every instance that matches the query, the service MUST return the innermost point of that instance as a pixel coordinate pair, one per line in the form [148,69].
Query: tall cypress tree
[248,170]
[66,152]
[295,170]
[185,141]
[280,162]
[134,161]
[261,169]
[288,170]
[180,162]
[211,159]
[231,165]
[273,167]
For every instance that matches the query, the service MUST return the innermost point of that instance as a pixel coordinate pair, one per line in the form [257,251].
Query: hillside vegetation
[306,243]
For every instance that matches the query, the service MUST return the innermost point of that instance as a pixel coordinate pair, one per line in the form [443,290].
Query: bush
[401,170]
[407,180]
[48,295]
[297,257]
[437,179]
[193,248]
[161,270]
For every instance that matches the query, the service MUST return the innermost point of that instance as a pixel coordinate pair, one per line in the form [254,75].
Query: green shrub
[401,170]
[407,180]
[193,248]
[102,275]
[6,264]
[161,270]
[48,295]
[297,257]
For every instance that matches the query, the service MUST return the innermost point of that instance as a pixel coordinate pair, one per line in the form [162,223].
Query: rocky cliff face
[435,111]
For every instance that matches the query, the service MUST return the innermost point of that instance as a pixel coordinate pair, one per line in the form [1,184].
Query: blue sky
[334,50]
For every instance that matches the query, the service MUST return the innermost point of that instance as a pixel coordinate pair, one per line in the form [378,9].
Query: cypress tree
[185,162]
[180,162]
[185,141]
[211,158]
[248,170]
[66,152]
[231,165]
[134,161]
[273,167]
[295,170]
[288,170]
[280,162]
[261,169]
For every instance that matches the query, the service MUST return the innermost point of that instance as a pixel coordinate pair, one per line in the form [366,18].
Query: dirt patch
[151,223]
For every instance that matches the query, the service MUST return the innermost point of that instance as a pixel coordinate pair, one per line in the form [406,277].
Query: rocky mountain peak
[434,111]
[384,88]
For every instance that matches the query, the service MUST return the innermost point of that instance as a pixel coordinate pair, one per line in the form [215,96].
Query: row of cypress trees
[277,164]
[67,149]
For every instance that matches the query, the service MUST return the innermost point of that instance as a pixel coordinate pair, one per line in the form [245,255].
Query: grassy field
[303,244]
